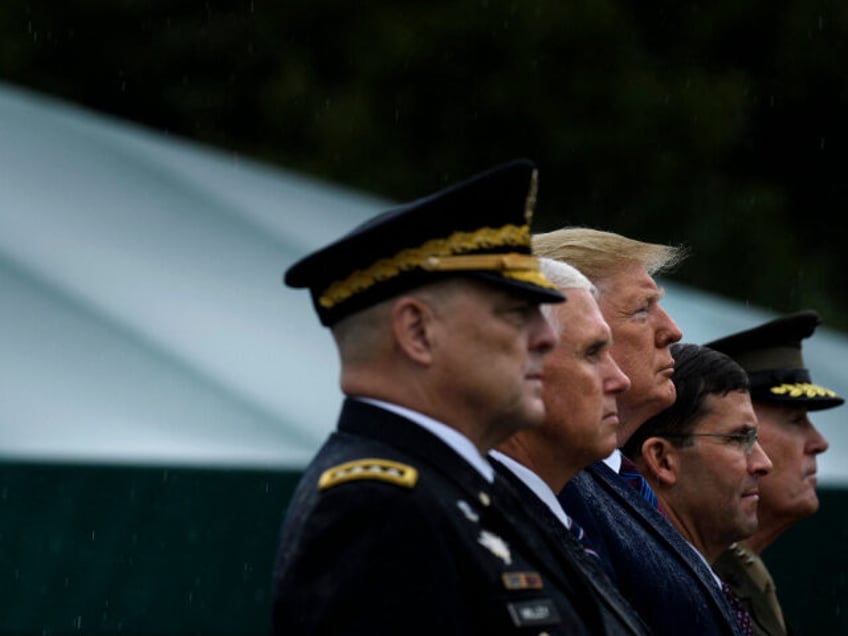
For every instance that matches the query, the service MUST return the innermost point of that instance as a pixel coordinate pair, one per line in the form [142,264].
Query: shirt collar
[614,461]
[453,438]
[536,484]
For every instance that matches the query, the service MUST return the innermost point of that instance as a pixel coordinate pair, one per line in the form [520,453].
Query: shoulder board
[374,469]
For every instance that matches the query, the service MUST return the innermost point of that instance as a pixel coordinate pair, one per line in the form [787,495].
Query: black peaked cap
[478,228]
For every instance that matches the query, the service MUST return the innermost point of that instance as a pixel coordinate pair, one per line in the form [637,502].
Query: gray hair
[564,276]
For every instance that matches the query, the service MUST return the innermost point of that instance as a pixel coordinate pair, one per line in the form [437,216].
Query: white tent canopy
[143,317]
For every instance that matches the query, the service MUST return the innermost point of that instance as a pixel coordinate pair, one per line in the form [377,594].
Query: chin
[668,395]
[534,417]
[810,508]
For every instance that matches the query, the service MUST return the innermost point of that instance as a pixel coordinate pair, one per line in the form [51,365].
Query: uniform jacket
[661,576]
[374,554]
[749,579]
[616,613]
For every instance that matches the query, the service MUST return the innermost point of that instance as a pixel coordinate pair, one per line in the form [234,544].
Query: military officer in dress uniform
[783,394]
[399,524]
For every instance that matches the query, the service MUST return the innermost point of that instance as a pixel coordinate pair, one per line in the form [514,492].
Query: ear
[412,321]
[660,458]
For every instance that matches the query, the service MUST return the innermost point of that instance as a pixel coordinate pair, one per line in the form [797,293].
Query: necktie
[634,479]
[580,534]
[743,618]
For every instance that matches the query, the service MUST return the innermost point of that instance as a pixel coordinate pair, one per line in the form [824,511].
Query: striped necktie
[580,534]
[635,480]
[743,618]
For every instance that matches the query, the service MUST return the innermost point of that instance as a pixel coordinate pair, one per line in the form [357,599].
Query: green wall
[809,564]
[111,550]
[134,550]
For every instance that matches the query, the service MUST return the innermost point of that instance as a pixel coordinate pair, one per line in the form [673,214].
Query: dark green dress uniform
[749,579]
[771,354]
[392,532]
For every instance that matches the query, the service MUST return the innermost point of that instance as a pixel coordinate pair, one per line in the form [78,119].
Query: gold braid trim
[802,389]
[372,469]
[415,257]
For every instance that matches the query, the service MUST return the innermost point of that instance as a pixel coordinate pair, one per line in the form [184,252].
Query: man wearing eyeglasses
[702,458]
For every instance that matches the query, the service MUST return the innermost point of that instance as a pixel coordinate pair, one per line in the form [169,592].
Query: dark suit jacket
[616,613]
[661,576]
[445,556]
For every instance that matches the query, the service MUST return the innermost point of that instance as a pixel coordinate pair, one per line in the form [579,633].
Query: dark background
[716,125]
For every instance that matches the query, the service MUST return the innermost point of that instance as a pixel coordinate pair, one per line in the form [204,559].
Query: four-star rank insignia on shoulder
[372,469]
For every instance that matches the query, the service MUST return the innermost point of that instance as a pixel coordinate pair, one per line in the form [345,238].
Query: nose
[616,381]
[758,462]
[543,338]
[667,330]
[816,442]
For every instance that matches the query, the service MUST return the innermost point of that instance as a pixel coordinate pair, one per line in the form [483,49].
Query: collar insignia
[468,511]
[495,545]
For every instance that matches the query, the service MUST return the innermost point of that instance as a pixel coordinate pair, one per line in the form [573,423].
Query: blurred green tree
[718,126]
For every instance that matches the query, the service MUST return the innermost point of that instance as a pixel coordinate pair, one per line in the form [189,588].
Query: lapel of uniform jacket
[569,552]
[506,511]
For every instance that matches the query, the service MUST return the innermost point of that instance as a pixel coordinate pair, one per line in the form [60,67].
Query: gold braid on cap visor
[802,389]
[446,255]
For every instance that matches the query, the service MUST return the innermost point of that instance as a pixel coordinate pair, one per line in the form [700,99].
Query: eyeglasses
[745,440]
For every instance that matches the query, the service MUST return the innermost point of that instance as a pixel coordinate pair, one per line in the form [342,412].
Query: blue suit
[660,575]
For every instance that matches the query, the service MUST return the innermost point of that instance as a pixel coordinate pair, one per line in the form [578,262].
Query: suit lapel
[665,533]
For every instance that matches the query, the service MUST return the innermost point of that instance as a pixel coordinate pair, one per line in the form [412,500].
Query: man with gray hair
[399,523]
[664,580]
[581,382]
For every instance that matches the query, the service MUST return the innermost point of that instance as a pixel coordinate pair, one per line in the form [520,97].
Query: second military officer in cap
[783,394]
[399,525]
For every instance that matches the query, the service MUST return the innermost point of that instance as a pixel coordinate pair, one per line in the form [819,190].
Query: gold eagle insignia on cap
[802,389]
[372,469]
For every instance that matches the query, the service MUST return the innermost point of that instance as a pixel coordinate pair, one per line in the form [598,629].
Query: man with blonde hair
[664,580]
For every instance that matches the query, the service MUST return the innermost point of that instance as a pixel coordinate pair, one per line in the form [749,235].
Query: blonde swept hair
[599,254]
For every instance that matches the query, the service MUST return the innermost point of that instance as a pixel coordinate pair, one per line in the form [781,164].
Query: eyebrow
[745,428]
[598,344]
